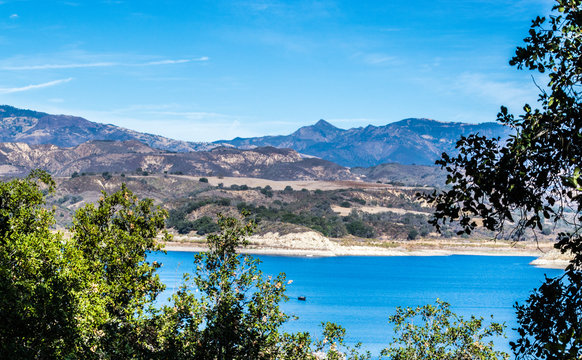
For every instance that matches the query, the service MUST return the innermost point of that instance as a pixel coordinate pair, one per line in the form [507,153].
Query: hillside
[399,174]
[33,127]
[410,141]
[134,157]
[347,212]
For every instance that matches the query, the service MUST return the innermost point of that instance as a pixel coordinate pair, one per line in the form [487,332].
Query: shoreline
[545,256]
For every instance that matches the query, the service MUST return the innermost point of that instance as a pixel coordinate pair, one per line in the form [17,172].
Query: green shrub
[267,191]
[106,175]
[412,234]
[358,228]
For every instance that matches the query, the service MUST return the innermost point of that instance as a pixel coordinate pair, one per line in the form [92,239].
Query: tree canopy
[93,295]
[435,332]
[532,178]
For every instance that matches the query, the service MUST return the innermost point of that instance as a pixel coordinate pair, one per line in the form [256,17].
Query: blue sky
[208,70]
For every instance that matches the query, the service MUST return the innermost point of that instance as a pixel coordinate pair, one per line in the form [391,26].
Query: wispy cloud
[376,58]
[59,66]
[296,9]
[168,120]
[33,86]
[171,62]
[497,91]
[102,64]
[14,16]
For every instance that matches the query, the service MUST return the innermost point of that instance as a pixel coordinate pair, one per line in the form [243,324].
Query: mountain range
[33,127]
[410,141]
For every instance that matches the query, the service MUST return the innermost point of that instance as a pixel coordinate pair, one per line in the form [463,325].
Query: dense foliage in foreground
[533,177]
[93,295]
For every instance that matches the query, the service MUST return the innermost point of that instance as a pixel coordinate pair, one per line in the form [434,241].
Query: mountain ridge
[408,141]
[35,128]
[132,156]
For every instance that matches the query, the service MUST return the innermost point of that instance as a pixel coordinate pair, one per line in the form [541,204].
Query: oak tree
[532,178]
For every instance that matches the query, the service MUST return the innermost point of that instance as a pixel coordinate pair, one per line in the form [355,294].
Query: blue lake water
[360,293]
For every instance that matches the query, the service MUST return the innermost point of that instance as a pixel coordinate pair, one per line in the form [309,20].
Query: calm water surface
[361,292]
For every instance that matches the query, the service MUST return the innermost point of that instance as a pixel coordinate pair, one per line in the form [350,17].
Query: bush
[267,191]
[358,228]
[205,225]
[177,217]
[203,180]
[237,315]
[83,297]
[106,175]
[412,234]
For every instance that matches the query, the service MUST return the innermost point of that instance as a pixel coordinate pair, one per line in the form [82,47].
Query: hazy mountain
[410,141]
[33,127]
[131,156]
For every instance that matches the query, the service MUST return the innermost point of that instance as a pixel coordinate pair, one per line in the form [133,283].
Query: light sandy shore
[552,259]
[312,244]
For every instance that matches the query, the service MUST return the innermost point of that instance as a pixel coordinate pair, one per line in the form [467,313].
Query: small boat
[302,298]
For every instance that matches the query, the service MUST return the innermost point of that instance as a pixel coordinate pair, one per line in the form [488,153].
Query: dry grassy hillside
[356,212]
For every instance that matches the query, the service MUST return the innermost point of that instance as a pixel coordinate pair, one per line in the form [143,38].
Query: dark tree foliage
[552,314]
[532,178]
[357,227]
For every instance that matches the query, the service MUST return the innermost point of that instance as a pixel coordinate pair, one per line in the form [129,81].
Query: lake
[360,293]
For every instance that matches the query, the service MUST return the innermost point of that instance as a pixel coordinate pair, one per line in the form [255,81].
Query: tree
[534,176]
[435,332]
[236,315]
[84,296]
[114,237]
[332,346]
[41,282]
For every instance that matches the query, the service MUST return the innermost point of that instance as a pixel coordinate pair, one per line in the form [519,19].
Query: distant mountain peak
[408,141]
[322,124]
